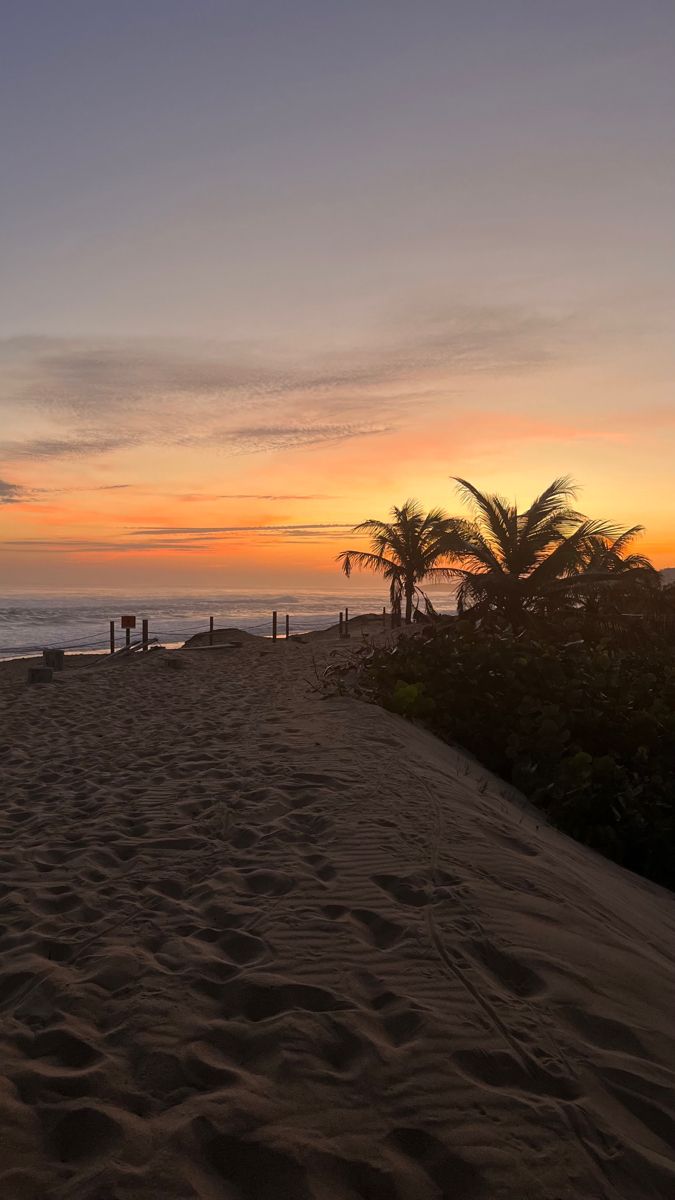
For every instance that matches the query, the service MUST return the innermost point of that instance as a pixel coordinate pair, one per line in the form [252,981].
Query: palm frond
[551,503]
[489,511]
[567,557]
[363,559]
[624,539]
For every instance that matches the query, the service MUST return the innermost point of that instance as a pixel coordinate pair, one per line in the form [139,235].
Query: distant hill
[668,574]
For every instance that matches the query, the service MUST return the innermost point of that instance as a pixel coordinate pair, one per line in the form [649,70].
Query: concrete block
[54,659]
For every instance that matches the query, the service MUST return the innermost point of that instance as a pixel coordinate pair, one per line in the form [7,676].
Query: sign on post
[128,623]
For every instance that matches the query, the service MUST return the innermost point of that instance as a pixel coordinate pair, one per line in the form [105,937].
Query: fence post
[288,624]
[274,626]
[210,631]
[112,637]
[341,628]
[145,634]
[128,641]
[384,617]
[346,622]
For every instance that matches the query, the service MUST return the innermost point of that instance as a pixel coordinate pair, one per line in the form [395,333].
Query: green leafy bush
[586,731]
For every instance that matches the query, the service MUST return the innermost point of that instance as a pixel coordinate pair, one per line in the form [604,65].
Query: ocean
[80,622]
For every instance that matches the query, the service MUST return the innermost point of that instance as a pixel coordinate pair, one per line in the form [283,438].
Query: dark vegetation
[558,672]
[586,731]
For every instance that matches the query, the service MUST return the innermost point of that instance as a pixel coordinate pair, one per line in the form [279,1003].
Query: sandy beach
[262,943]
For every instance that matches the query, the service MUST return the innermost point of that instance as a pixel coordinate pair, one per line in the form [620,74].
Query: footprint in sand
[320,866]
[61,1047]
[416,891]
[85,1131]
[253,1170]
[507,970]
[411,890]
[377,930]
[239,947]
[502,1069]
[401,1020]
[451,1173]
[267,883]
[259,1001]
[650,1103]
[208,1067]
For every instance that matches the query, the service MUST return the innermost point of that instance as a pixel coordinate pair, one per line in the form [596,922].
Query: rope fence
[155,634]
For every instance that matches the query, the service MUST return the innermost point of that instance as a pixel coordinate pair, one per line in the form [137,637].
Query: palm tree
[609,554]
[617,577]
[405,551]
[517,563]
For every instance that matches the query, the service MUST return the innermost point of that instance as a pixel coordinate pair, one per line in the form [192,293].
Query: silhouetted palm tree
[609,554]
[405,551]
[515,563]
[615,582]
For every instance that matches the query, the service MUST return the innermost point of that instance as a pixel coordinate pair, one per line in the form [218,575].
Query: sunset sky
[271,266]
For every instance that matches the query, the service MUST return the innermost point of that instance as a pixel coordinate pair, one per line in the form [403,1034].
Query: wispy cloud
[252,439]
[15,493]
[197,529]
[75,446]
[94,397]
[10,493]
[201,496]
[87,546]
[179,538]
[84,375]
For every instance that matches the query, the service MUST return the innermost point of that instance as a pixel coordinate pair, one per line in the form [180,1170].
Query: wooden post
[384,617]
[210,631]
[288,624]
[146,636]
[274,626]
[346,622]
[112,637]
[128,641]
[341,626]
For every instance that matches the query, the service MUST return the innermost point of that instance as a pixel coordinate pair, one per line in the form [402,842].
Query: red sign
[128,622]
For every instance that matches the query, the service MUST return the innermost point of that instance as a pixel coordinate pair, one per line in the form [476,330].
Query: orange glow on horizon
[81,525]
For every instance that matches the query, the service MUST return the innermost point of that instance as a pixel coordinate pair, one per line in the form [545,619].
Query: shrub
[586,731]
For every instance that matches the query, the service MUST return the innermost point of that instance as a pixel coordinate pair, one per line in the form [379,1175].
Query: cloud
[179,538]
[10,493]
[253,439]
[100,546]
[84,376]
[204,529]
[90,397]
[80,447]
[14,493]
[195,496]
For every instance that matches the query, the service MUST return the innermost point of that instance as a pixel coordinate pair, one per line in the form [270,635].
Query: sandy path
[258,944]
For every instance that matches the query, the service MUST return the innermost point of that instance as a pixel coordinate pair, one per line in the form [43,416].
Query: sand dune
[260,944]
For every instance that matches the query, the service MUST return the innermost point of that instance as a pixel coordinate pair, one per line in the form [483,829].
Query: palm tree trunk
[515,614]
[409,593]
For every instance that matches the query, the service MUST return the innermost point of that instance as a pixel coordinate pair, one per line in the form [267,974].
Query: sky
[269,268]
